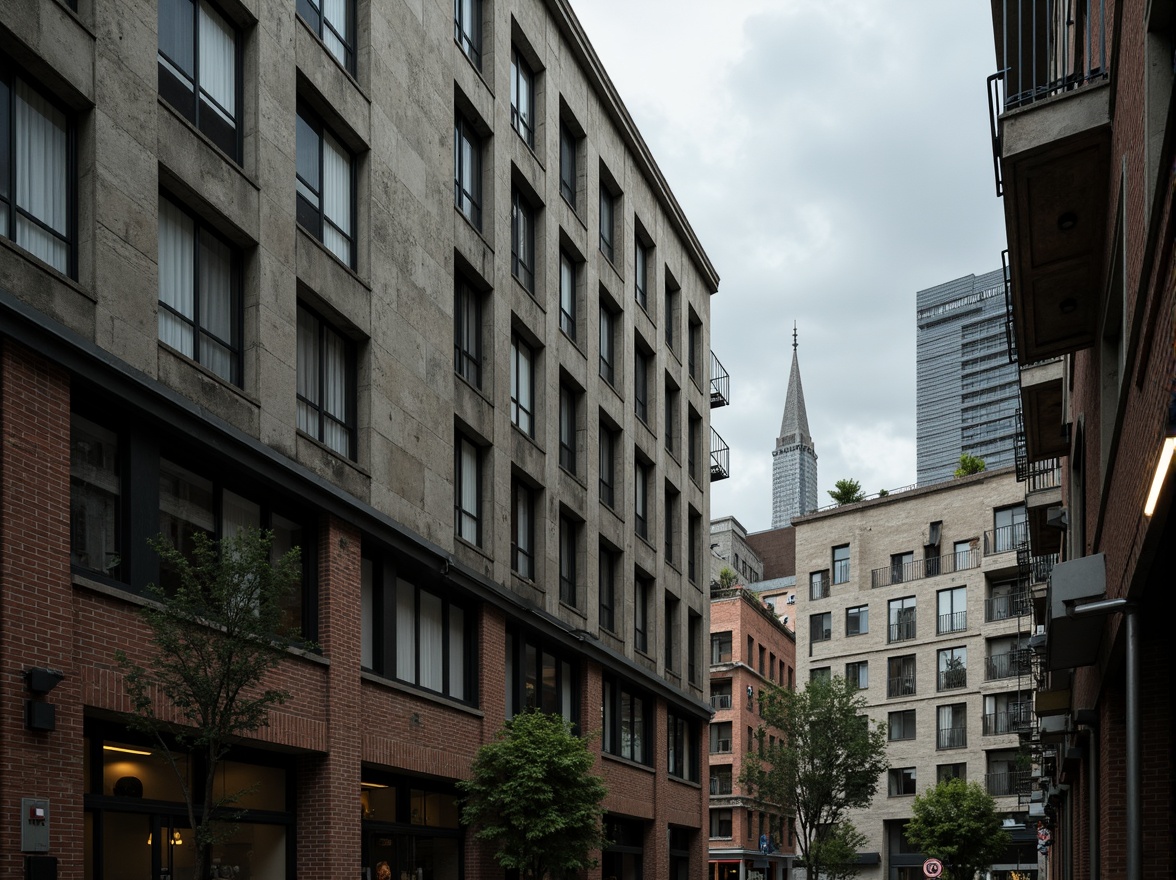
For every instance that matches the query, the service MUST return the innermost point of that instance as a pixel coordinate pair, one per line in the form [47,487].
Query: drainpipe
[1087,719]
[1134,780]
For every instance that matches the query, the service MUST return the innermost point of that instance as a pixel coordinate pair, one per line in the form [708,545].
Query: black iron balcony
[902,630]
[720,785]
[1007,782]
[1006,607]
[720,458]
[900,686]
[951,738]
[1018,718]
[819,586]
[1005,539]
[1010,664]
[720,701]
[957,621]
[898,573]
[950,679]
[720,384]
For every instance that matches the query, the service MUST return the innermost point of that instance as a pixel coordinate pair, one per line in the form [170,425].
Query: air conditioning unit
[791,600]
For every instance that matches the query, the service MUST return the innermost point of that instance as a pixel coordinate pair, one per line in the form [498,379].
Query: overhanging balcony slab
[1051,702]
[1042,388]
[1043,538]
[1055,163]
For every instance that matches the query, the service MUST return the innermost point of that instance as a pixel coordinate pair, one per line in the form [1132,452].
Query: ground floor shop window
[623,857]
[411,828]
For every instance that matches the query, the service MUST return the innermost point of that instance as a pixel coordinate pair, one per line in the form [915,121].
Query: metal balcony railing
[898,573]
[720,747]
[902,631]
[720,383]
[819,586]
[1034,569]
[950,679]
[900,686]
[720,701]
[720,458]
[1010,329]
[1007,665]
[1018,718]
[957,621]
[1006,539]
[720,785]
[951,738]
[1006,607]
[1007,782]
[1042,475]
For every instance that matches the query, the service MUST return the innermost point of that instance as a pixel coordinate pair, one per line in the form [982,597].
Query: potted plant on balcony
[955,673]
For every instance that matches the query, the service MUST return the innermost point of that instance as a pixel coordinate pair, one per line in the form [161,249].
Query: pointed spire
[794,426]
[794,460]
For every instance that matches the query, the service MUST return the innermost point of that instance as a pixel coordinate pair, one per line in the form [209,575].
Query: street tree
[957,823]
[826,760]
[215,632]
[969,464]
[532,795]
[846,492]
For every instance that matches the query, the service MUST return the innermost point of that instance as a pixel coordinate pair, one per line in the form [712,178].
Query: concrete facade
[110,433]
[729,548]
[966,393]
[750,650]
[929,577]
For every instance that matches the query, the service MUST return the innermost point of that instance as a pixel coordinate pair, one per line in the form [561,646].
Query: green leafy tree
[532,795]
[969,464]
[214,635]
[727,578]
[827,762]
[956,822]
[846,492]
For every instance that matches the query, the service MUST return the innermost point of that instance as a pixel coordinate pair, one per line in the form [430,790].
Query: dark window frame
[467,145]
[522,535]
[311,12]
[522,119]
[468,29]
[314,219]
[606,588]
[350,422]
[522,240]
[467,332]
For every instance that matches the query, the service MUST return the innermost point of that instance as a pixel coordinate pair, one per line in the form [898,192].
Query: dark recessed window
[334,22]
[467,170]
[567,164]
[326,383]
[522,98]
[522,530]
[326,187]
[467,29]
[567,295]
[522,240]
[467,490]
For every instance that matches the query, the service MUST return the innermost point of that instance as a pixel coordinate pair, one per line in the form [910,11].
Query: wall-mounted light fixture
[1166,452]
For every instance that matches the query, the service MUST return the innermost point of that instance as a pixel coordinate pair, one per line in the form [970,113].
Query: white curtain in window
[334,401]
[335,14]
[457,686]
[177,260]
[524,387]
[469,490]
[218,62]
[216,306]
[336,199]
[42,171]
[238,514]
[308,372]
[945,718]
[405,630]
[432,642]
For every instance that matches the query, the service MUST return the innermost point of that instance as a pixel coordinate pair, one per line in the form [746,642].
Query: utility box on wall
[34,825]
[40,867]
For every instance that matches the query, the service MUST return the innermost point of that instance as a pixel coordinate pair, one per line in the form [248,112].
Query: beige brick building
[403,283]
[918,596]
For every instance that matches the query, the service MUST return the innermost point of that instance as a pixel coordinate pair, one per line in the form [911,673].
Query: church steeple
[794,464]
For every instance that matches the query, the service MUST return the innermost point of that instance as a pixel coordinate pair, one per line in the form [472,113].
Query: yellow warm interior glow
[1161,472]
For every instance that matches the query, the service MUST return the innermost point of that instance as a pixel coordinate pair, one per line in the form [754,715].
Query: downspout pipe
[1134,786]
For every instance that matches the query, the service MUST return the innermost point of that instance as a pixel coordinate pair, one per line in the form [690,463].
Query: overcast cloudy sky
[834,157]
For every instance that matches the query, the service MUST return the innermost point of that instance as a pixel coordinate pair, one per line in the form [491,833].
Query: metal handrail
[897,573]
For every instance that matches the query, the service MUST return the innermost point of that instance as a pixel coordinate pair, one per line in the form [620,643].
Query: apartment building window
[902,619]
[641,272]
[37,169]
[199,292]
[325,187]
[693,645]
[670,523]
[569,580]
[820,673]
[682,743]
[693,444]
[901,781]
[901,725]
[721,647]
[522,241]
[567,295]
[199,60]
[567,163]
[821,627]
[962,555]
[568,427]
[671,429]
[607,221]
[902,567]
[841,564]
[641,501]
[522,98]
[522,386]
[627,725]
[943,772]
[326,384]
[468,490]
[720,738]
[95,497]
[857,620]
[607,564]
[608,476]
[694,536]
[334,23]
[858,674]
[467,29]
[467,332]
[522,529]
[721,779]
[819,584]
[670,634]
[670,318]
[540,677]
[951,730]
[720,823]
[694,347]
[467,170]
[1009,528]
[720,689]
[953,668]
[953,610]
[1007,658]
[641,614]
[900,676]
[607,345]
[641,360]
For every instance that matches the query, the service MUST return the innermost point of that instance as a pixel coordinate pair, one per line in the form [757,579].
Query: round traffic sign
[932,868]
